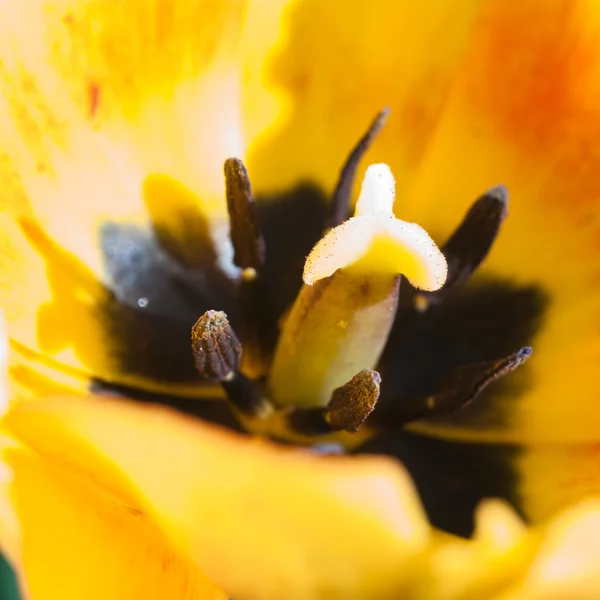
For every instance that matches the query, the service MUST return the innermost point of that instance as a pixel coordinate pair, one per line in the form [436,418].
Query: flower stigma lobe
[375,240]
[378,191]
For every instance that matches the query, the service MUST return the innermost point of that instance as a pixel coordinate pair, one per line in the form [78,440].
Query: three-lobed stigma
[377,241]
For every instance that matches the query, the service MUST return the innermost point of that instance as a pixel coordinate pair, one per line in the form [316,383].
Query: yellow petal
[568,561]
[552,476]
[70,538]
[255,520]
[403,54]
[501,550]
[498,526]
[100,103]
[523,112]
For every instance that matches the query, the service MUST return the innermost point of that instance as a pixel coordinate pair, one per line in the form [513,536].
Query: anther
[340,203]
[456,391]
[348,409]
[247,240]
[354,401]
[465,383]
[470,243]
[217,350]
[258,328]
[217,353]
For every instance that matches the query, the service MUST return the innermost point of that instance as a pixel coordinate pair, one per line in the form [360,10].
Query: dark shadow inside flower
[140,325]
[452,477]
[173,267]
[481,321]
[182,232]
[291,224]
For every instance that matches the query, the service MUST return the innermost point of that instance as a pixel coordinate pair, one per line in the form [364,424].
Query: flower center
[318,374]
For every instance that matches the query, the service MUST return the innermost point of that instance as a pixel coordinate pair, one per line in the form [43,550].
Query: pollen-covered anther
[354,401]
[257,328]
[217,350]
[217,353]
[376,241]
[348,409]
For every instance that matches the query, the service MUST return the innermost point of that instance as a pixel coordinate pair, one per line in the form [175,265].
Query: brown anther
[347,410]
[340,202]
[470,243]
[353,402]
[247,240]
[217,350]
[465,383]
[456,391]
[257,327]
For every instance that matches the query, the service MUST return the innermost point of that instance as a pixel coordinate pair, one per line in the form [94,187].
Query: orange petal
[524,113]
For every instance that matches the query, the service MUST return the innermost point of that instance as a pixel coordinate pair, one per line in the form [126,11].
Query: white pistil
[339,326]
[378,239]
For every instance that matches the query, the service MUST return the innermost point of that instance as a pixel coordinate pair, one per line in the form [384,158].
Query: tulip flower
[376,222]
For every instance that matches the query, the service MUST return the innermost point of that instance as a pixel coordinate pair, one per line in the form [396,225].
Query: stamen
[456,391]
[246,237]
[470,243]
[258,328]
[353,402]
[349,407]
[340,203]
[464,384]
[217,352]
